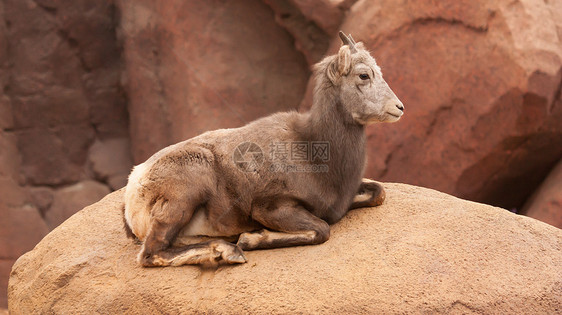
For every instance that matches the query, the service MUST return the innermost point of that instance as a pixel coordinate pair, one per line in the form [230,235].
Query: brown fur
[196,188]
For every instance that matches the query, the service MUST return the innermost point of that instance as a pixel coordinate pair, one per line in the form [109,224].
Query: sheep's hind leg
[370,194]
[168,218]
[206,253]
[293,226]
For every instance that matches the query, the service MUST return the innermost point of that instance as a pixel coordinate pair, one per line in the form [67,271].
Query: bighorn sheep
[222,183]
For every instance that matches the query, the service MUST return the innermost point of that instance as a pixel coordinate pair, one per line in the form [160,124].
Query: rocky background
[88,88]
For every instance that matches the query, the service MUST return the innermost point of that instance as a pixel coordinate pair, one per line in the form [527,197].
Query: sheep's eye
[364,76]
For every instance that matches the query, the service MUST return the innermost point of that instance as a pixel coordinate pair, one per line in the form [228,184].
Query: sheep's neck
[327,121]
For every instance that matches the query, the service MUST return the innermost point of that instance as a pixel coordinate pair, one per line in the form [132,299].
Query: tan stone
[420,252]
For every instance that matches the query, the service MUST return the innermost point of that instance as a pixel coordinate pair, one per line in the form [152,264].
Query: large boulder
[421,251]
[481,84]
[203,65]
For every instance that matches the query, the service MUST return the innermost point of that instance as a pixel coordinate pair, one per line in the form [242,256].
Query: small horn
[348,41]
[353,41]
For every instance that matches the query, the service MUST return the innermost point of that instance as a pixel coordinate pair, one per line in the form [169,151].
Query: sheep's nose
[400,106]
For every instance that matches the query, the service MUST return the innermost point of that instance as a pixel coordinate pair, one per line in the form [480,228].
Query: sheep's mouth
[394,115]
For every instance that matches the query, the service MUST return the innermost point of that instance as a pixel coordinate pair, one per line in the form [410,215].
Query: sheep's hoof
[378,195]
[230,253]
[236,259]
[149,260]
[249,241]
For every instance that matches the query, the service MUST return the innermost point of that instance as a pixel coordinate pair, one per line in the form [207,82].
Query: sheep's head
[362,90]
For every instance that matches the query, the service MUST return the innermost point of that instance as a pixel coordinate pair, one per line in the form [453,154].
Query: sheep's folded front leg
[293,225]
[369,194]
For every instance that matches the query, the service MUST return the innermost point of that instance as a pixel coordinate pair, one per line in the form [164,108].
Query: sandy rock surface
[421,251]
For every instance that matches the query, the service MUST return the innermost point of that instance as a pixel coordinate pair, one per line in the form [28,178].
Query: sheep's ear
[340,66]
[344,60]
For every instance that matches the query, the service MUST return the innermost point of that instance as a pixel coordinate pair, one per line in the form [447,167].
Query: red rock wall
[202,66]
[62,115]
[88,87]
[480,81]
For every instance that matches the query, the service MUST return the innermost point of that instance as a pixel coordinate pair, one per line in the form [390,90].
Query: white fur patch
[362,197]
[199,225]
[137,212]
